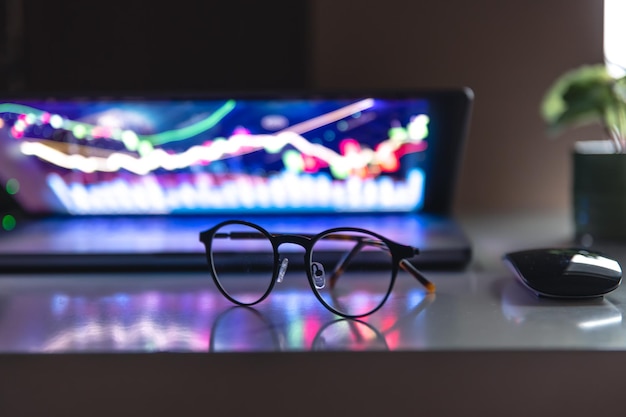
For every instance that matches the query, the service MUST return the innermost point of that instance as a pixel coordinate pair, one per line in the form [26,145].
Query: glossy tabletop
[483,307]
[185,313]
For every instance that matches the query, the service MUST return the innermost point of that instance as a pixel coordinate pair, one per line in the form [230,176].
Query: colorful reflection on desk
[245,329]
[198,321]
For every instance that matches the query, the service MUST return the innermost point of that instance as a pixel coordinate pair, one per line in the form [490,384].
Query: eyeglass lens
[352,271]
[243,261]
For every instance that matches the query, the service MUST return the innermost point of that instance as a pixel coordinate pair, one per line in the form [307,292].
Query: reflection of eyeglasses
[242,328]
[351,270]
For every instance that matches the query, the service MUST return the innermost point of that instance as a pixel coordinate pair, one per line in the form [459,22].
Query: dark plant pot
[599,196]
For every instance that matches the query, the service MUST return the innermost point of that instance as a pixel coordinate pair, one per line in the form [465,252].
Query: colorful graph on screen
[187,156]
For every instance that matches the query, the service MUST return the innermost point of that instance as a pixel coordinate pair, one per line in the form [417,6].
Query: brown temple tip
[409,267]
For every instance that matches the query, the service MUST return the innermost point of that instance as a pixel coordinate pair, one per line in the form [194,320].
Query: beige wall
[507,51]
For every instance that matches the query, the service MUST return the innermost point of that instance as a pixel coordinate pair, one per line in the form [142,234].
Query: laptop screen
[190,155]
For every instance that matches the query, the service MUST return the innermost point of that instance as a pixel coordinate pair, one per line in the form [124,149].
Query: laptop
[127,183]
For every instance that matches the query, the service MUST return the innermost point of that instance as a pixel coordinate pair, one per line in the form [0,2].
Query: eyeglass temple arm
[343,262]
[411,269]
[404,264]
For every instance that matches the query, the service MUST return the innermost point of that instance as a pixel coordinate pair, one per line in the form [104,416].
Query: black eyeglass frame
[399,254]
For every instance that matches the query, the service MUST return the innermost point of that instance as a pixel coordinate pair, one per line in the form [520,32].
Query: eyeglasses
[350,270]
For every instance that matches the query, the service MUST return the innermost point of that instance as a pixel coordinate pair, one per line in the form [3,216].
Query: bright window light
[615,37]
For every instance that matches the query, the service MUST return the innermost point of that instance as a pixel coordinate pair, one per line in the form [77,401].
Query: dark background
[156,45]
[507,51]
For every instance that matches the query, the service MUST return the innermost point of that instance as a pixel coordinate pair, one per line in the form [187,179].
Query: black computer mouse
[565,273]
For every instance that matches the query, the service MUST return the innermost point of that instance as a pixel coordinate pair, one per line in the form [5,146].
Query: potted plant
[591,95]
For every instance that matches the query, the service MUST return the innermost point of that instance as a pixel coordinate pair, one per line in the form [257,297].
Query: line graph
[236,145]
[197,156]
[384,157]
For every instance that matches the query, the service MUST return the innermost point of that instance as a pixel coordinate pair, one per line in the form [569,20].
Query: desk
[169,344]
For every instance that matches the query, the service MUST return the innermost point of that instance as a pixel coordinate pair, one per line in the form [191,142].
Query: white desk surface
[482,343]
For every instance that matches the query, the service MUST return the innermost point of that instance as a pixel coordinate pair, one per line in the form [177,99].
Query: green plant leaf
[581,96]
[620,89]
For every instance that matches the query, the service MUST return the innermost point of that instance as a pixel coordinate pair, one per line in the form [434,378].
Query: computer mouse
[565,273]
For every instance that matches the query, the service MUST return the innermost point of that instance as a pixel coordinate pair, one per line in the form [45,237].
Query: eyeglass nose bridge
[299,240]
[316,269]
